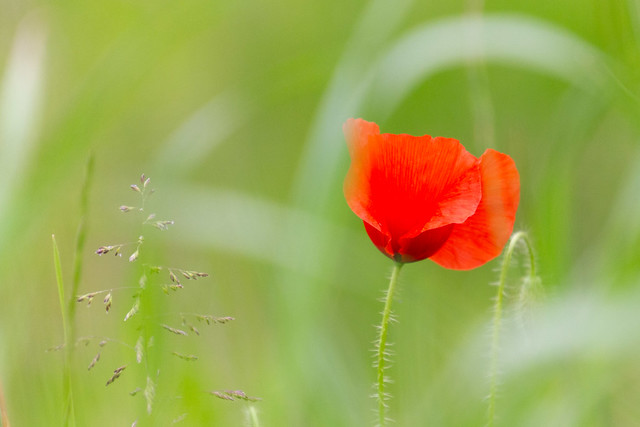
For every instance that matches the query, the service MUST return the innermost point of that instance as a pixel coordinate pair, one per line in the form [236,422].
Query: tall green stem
[69,413]
[382,344]
[81,238]
[68,308]
[253,416]
[497,316]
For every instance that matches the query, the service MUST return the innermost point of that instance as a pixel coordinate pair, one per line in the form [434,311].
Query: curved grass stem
[381,345]
[69,412]
[516,238]
[81,237]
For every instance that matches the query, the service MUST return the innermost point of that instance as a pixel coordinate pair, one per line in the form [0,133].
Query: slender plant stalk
[69,412]
[81,238]
[382,344]
[68,307]
[4,417]
[252,413]
[497,317]
[148,333]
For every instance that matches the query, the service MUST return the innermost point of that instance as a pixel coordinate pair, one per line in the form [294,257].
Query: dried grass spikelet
[163,225]
[187,274]
[234,395]
[149,393]
[102,250]
[56,348]
[139,349]
[133,311]
[171,287]
[108,299]
[95,360]
[192,275]
[187,357]
[134,256]
[87,297]
[173,277]
[214,319]
[174,330]
[190,326]
[116,374]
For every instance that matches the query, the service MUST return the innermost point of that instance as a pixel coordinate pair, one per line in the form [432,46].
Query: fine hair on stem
[496,324]
[381,346]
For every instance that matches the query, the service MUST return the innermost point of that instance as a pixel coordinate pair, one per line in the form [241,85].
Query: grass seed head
[108,299]
[175,330]
[95,360]
[116,374]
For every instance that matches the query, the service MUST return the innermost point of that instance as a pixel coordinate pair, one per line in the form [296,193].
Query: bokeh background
[234,109]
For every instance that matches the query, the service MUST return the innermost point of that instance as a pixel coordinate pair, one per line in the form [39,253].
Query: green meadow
[234,112]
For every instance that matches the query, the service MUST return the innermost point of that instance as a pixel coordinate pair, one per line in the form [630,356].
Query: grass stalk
[252,415]
[381,345]
[81,238]
[497,317]
[68,306]
[69,412]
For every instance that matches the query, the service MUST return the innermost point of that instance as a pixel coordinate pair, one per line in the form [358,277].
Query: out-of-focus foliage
[235,110]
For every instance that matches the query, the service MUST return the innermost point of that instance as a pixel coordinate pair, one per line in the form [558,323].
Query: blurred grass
[235,111]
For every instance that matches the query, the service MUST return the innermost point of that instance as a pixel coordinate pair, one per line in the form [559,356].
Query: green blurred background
[234,109]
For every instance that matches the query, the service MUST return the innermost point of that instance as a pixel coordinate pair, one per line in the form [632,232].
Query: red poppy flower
[423,197]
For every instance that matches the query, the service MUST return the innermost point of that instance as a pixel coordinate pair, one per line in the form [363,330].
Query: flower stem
[497,316]
[382,344]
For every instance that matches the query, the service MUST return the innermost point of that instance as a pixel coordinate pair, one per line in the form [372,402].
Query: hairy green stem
[69,412]
[497,316]
[382,344]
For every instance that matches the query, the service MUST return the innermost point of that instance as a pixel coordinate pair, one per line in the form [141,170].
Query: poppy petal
[357,132]
[481,237]
[403,185]
[410,250]
[382,241]
[424,244]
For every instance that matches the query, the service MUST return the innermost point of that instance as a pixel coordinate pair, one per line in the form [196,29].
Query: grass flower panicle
[153,278]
